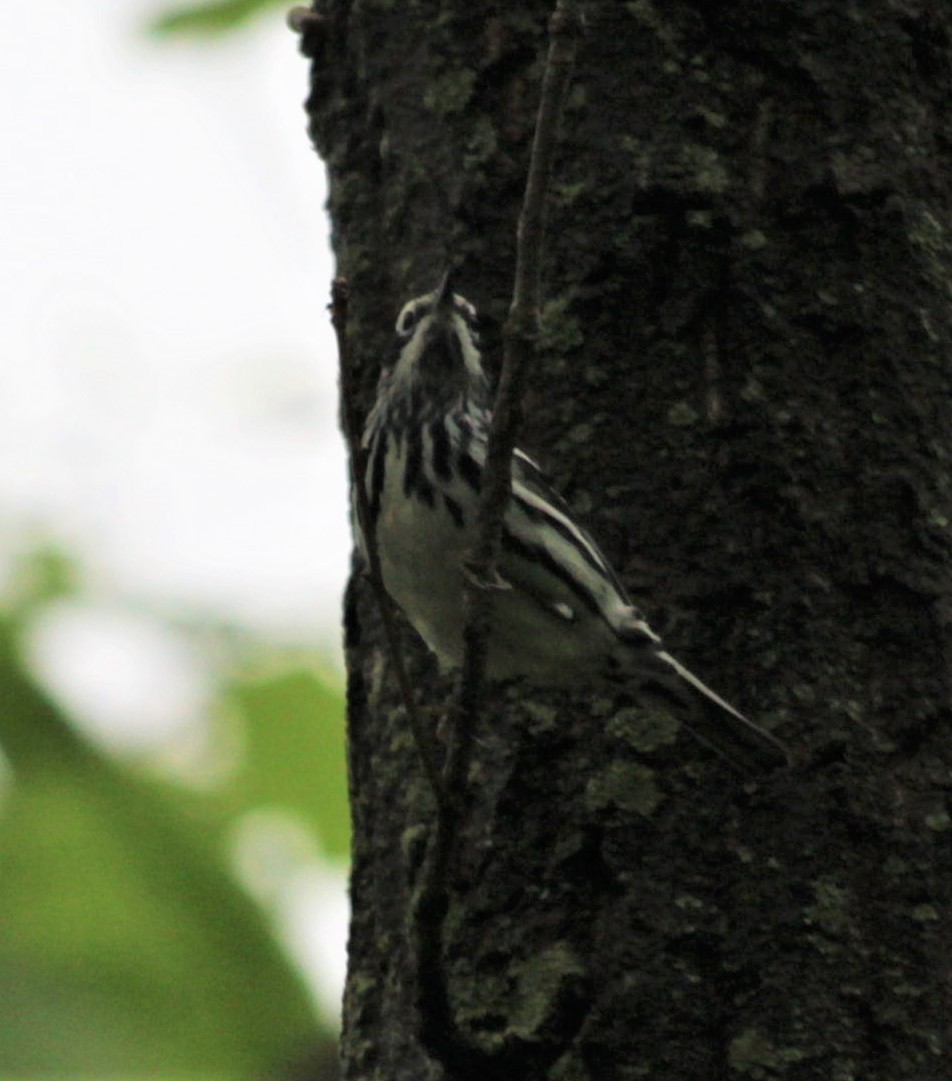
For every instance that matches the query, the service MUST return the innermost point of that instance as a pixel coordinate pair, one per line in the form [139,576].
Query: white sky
[167,370]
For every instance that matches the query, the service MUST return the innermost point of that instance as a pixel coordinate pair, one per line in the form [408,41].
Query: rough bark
[745,385]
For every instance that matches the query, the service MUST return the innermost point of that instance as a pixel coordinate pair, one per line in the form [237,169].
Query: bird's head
[438,343]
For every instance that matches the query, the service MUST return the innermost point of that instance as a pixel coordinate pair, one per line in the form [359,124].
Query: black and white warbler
[560,616]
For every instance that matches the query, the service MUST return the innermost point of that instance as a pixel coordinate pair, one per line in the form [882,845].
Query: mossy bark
[745,385]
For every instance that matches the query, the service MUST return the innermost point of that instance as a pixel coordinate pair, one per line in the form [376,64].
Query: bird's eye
[407,320]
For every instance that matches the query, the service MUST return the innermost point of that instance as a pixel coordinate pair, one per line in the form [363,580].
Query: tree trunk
[744,384]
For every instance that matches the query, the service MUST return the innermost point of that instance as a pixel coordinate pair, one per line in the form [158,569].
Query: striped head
[438,344]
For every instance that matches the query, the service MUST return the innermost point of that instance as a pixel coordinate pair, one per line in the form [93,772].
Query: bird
[560,615]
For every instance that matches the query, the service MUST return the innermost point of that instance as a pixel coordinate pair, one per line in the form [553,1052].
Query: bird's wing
[549,555]
[537,508]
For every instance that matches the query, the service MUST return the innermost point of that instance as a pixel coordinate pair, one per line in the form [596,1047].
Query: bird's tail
[717,725]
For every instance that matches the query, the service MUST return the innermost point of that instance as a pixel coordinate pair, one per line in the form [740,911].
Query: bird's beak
[444,292]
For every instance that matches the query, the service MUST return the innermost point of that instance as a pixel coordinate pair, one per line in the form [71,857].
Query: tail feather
[726,730]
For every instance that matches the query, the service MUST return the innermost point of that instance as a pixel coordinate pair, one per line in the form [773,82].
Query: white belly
[421,559]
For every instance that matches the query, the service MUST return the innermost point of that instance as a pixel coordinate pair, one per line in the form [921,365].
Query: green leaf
[211,19]
[45,573]
[125,945]
[293,731]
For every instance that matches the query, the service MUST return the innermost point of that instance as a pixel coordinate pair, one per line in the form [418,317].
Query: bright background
[173,546]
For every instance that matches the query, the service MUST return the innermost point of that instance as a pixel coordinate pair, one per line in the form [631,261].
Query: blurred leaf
[294,756]
[42,574]
[210,19]
[124,944]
